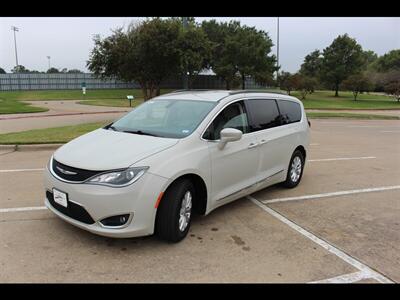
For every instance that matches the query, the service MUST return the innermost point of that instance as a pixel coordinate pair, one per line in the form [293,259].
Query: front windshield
[165,118]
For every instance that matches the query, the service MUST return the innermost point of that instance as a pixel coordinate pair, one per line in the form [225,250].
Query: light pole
[185,76]
[48,57]
[277,51]
[13,28]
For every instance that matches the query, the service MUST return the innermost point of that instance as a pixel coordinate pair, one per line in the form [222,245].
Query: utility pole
[13,28]
[48,57]
[277,51]
[185,76]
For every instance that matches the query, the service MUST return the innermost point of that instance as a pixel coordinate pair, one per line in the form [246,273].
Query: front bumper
[137,199]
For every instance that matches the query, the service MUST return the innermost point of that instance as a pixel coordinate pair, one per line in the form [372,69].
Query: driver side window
[233,116]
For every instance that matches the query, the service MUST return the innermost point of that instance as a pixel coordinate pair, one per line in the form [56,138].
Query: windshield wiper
[139,132]
[110,126]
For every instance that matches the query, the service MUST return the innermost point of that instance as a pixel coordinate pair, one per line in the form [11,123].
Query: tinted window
[233,116]
[264,114]
[290,111]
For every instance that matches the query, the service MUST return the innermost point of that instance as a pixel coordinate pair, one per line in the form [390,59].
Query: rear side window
[264,114]
[290,111]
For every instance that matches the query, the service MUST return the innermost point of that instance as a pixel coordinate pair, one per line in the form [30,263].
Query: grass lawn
[13,107]
[327,100]
[72,94]
[112,102]
[10,101]
[318,115]
[54,135]
[317,100]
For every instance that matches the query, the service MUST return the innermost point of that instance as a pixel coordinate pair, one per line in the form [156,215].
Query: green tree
[265,79]
[311,66]
[145,53]
[387,62]
[369,58]
[357,83]
[392,84]
[194,50]
[249,51]
[2,71]
[239,51]
[289,82]
[74,71]
[344,57]
[305,85]
[19,69]
[219,61]
[52,70]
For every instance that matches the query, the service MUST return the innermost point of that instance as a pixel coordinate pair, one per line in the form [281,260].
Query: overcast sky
[68,41]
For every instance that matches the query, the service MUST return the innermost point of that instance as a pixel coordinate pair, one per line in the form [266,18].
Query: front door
[234,167]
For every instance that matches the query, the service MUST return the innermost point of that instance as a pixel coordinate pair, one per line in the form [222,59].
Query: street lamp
[277,51]
[48,57]
[185,76]
[13,28]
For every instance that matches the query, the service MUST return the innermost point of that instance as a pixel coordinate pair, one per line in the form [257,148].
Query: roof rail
[194,90]
[230,92]
[256,91]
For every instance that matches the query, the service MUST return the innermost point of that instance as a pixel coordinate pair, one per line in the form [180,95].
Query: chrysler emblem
[65,171]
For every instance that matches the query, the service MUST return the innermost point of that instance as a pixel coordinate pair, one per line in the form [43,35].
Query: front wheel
[175,211]
[295,170]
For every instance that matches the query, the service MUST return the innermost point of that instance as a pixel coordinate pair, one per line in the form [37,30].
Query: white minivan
[174,155]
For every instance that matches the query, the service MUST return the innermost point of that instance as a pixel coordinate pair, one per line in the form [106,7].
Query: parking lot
[341,224]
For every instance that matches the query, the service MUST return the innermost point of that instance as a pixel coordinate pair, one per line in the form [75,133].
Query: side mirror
[229,135]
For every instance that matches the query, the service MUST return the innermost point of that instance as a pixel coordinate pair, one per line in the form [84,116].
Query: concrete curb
[38,147]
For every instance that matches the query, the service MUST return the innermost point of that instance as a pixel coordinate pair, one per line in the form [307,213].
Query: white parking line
[20,170]
[333,194]
[346,278]
[314,144]
[331,122]
[15,209]
[365,126]
[324,244]
[341,158]
[396,131]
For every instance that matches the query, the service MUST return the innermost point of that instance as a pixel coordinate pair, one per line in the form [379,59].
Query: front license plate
[60,197]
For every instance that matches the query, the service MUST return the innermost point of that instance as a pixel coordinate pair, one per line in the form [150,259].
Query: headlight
[118,178]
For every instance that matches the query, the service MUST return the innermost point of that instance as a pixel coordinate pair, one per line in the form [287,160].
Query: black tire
[290,183]
[168,211]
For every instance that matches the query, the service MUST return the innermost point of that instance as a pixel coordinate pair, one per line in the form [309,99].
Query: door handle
[263,141]
[252,145]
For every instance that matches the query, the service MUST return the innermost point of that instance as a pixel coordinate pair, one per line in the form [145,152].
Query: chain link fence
[68,81]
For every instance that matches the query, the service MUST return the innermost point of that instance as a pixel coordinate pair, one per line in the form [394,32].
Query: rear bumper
[137,199]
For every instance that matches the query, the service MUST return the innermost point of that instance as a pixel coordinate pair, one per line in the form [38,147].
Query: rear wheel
[295,170]
[174,212]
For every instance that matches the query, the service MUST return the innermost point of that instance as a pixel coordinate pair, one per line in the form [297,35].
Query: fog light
[115,221]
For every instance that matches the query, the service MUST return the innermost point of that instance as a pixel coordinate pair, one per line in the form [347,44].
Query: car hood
[106,149]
